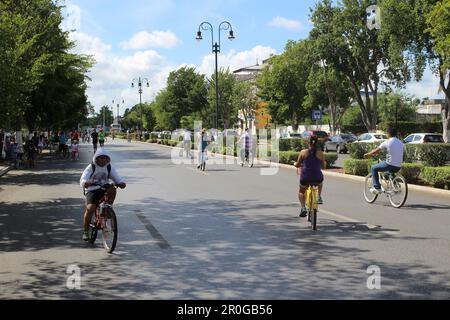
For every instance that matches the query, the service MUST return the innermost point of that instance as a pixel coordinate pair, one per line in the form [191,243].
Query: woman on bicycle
[97,174]
[310,162]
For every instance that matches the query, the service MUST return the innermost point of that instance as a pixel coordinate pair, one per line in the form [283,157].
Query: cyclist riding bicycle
[310,162]
[246,141]
[101,138]
[394,159]
[203,144]
[97,174]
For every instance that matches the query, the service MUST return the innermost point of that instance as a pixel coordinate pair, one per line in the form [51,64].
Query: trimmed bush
[285,145]
[357,167]
[288,157]
[358,150]
[411,171]
[433,154]
[438,177]
[331,159]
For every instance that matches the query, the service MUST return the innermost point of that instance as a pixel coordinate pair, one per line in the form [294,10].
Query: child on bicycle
[96,175]
[74,150]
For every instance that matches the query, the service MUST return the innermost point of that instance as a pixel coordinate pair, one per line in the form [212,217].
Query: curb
[4,171]
[414,187]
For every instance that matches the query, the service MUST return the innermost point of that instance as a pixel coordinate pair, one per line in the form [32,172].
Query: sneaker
[303,213]
[86,236]
[320,200]
[375,191]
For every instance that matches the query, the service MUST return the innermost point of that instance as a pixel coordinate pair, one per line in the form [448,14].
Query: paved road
[229,233]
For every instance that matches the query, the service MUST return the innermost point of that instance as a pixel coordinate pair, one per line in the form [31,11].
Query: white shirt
[395,150]
[187,136]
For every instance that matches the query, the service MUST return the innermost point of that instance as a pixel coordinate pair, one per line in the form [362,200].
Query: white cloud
[112,75]
[428,87]
[292,25]
[86,44]
[236,60]
[155,39]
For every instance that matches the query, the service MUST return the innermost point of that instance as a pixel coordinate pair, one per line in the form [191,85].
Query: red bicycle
[105,220]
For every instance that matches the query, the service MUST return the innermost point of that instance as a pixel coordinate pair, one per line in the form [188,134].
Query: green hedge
[357,167]
[437,176]
[290,157]
[433,154]
[331,159]
[358,150]
[411,172]
[293,144]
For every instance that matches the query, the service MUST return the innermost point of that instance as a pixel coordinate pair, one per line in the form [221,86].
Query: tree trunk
[446,109]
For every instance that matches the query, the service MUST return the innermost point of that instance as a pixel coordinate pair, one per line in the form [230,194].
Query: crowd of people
[21,150]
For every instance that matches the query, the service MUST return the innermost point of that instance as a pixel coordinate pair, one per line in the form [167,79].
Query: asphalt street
[227,233]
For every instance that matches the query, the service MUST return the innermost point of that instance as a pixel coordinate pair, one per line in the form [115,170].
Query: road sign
[317,115]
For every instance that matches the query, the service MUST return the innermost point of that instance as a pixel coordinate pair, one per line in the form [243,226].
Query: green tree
[228,111]
[186,93]
[368,58]
[437,43]
[397,106]
[244,99]
[283,84]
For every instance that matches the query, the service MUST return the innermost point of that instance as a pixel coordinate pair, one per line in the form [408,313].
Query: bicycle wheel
[398,192]
[109,231]
[369,196]
[93,231]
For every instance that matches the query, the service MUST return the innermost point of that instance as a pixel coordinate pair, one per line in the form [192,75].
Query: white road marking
[348,219]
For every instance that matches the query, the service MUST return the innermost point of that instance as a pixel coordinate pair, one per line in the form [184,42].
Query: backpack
[93,170]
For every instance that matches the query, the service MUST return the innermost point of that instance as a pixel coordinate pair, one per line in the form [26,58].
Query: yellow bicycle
[311,205]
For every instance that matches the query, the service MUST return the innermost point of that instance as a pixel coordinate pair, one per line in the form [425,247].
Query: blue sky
[150,38]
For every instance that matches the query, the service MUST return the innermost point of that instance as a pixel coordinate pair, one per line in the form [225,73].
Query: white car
[421,138]
[371,138]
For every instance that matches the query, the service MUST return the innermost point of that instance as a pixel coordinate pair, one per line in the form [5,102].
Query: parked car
[371,138]
[339,142]
[421,138]
[291,135]
[230,132]
[322,135]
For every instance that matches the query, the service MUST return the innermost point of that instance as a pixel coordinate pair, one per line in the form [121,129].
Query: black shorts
[94,197]
[305,184]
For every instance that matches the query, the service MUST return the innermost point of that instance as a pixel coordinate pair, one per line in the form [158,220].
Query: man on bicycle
[97,174]
[394,159]
[310,162]
[246,141]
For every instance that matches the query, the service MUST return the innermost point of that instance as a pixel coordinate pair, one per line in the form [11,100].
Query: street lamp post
[139,83]
[206,26]
[117,101]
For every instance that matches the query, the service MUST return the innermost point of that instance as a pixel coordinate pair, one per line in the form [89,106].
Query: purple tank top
[311,168]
